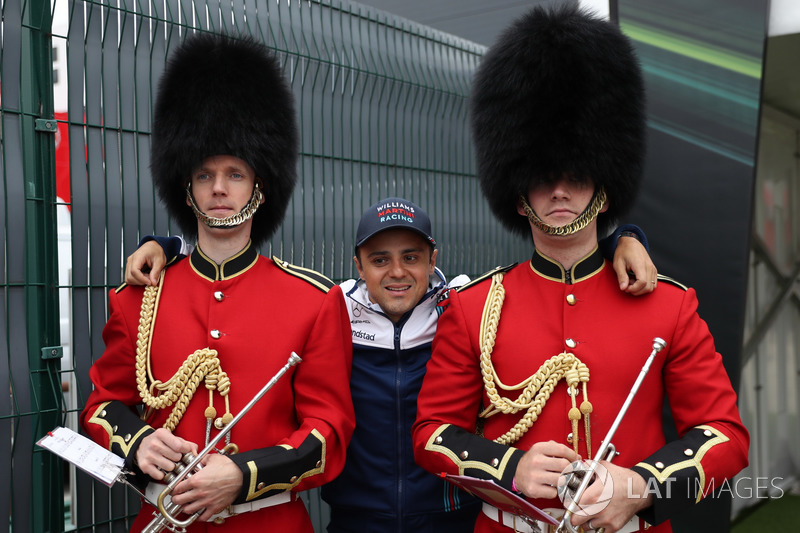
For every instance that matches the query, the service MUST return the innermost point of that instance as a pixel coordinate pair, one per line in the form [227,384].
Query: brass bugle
[607,450]
[169,510]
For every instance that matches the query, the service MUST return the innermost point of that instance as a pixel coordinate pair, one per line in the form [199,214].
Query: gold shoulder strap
[310,276]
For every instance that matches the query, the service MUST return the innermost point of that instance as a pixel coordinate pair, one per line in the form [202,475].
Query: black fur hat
[223,95]
[560,92]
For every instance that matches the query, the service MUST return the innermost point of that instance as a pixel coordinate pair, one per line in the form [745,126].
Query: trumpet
[607,450]
[168,510]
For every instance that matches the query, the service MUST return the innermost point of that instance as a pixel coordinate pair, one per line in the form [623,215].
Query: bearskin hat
[221,95]
[560,92]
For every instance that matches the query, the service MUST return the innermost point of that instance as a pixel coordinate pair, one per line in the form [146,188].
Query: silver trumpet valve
[607,450]
[160,522]
[169,511]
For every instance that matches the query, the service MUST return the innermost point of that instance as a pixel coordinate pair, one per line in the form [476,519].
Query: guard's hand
[144,266]
[636,272]
[626,490]
[539,469]
[212,489]
[160,450]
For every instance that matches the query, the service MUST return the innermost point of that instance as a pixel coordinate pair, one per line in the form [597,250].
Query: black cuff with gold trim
[270,471]
[125,433]
[476,456]
[124,427]
[674,474]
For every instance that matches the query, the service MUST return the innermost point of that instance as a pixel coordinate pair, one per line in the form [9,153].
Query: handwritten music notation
[84,453]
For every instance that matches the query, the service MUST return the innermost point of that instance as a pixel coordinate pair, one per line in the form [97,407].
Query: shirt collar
[582,269]
[231,267]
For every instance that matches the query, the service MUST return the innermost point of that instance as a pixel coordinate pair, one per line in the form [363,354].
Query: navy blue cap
[393,213]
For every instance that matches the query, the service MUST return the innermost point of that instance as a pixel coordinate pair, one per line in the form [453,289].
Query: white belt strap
[513,521]
[520,525]
[154,489]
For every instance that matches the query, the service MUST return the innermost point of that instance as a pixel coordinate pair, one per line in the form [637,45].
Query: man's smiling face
[396,265]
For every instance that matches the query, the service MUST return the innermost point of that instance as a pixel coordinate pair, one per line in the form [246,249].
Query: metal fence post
[41,272]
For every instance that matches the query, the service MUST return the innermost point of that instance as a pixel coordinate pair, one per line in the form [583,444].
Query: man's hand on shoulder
[144,266]
[636,272]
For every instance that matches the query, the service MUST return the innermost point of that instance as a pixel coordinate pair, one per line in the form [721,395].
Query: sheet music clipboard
[505,500]
[84,453]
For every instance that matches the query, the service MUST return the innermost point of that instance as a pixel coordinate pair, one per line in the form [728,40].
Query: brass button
[707,433]
[293,479]
[114,429]
[495,462]
[103,413]
[571,299]
[127,437]
[569,437]
[570,343]
[319,464]
[438,440]
[219,296]
[260,486]
[659,465]
[219,520]
[464,455]
[688,453]
[215,333]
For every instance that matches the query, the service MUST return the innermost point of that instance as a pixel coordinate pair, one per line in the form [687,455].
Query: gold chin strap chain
[583,220]
[234,220]
[536,390]
[202,365]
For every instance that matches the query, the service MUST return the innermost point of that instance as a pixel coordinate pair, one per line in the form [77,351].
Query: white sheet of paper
[84,453]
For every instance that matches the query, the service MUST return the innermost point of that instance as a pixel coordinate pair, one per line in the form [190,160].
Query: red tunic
[545,311]
[254,312]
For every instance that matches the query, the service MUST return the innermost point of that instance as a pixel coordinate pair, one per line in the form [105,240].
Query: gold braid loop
[185,382]
[202,365]
[536,389]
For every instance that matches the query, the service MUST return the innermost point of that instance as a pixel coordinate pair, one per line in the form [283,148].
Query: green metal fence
[383,111]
